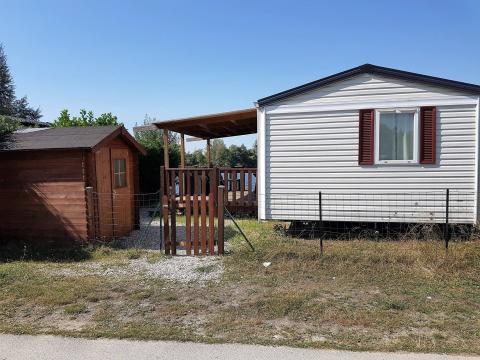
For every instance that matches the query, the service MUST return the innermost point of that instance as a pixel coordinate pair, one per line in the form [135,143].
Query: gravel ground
[150,233]
[148,236]
[178,268]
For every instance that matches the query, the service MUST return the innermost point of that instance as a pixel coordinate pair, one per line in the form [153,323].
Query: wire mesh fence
[348,215]
[135,220]
[129,220]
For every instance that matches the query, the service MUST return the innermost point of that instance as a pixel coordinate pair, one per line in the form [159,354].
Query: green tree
[149,165]
[7,88]
[107,119]
[7,126]
[24,111]
[196,158]
[9,104]
[220,153]
[233,156]
[85,118]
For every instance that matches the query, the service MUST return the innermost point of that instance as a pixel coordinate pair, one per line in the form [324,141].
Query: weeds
[75,309]
[360,295]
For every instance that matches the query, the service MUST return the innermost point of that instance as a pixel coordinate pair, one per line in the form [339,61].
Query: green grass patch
[75,309]
[360,295]
[205,269]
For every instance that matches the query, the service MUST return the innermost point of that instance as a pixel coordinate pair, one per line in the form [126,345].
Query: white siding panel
[370,88]
[312,151]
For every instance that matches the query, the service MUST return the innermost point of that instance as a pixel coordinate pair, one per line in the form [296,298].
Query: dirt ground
[360,295]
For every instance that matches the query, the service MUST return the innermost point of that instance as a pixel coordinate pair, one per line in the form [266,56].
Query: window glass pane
[386,136]
[404,136]
[120,172]
[396,136]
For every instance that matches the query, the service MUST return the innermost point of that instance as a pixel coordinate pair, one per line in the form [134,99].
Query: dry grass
[361,295]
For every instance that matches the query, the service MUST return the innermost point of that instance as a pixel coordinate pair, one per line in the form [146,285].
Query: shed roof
[213,126]
[371,69]
[89,137]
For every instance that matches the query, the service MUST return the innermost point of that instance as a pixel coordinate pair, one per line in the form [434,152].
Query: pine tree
[9,105]
[7,88]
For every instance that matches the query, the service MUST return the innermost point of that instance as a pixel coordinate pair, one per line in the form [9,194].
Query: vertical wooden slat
[218,181]
[228,186]
[203,211]
[173,235]
[165,210]
[234,188]
[242,187]
[181,188]
[211,212]
[188,217]
[220,220]
[250,184]
[195,212]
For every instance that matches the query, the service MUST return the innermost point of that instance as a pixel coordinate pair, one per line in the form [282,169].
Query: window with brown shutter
[366,137]
[428,133]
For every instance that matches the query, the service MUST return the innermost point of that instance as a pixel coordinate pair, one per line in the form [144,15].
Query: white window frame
[414,161]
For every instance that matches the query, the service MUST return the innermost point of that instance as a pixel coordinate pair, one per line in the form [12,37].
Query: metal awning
[213,126]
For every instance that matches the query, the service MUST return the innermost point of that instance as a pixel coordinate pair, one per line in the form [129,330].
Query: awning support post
[209,154]
[166,161]
[182,151]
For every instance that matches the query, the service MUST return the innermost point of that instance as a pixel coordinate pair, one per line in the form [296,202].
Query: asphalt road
[13,347]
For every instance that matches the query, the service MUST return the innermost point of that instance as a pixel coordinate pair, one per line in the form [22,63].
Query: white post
[261,163]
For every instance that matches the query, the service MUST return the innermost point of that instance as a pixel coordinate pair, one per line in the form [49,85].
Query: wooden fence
[195,192]
[240,188]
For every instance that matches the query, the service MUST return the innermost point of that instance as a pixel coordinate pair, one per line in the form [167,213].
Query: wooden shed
[44,174]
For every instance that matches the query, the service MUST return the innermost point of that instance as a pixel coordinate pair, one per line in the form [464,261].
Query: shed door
[122,187]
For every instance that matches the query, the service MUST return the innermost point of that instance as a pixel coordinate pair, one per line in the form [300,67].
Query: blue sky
[173,59]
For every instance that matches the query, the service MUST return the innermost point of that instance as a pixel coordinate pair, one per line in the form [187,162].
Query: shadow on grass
[15,252]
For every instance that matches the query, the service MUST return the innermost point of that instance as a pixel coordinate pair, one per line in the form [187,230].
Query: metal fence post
[320,218]
[447,227]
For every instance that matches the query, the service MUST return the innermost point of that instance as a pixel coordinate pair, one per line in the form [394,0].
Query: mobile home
[374,144]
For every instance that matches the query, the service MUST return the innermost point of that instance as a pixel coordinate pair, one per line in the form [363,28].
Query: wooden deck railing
[240,185]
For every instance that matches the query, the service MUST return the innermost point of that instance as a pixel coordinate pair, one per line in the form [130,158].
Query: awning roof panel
[213,126]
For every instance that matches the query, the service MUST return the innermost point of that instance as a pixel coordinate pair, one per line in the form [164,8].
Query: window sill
[394,163]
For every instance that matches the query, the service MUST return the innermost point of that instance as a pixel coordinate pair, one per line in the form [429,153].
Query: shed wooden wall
[43,199]
[42,196]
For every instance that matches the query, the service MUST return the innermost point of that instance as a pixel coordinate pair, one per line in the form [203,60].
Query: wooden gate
[195,193]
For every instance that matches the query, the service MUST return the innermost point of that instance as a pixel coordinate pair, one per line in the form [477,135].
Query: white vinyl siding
[311,149]
[368,88]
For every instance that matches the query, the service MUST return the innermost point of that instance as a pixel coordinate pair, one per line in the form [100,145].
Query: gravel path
[148,236]
[185,269]
[14,347]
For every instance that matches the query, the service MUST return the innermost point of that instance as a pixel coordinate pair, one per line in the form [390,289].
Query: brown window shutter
[428,134]
[366,137]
